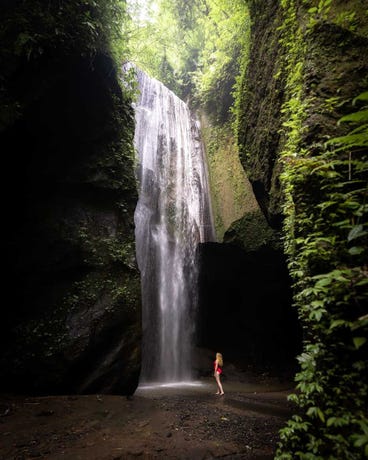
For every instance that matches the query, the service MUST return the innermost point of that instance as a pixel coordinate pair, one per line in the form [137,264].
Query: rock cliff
[308,61]
[333,76]
[71,320]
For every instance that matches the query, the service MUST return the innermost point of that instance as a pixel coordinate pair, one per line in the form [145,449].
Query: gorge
[280,88]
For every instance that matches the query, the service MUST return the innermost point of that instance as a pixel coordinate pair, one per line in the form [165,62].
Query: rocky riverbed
[180,422]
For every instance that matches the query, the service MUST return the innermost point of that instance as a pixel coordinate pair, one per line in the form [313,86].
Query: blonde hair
[219,359]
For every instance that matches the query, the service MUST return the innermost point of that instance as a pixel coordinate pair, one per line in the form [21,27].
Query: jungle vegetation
[200,49]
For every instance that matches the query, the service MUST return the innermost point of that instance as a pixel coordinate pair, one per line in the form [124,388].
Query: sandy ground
[185,422]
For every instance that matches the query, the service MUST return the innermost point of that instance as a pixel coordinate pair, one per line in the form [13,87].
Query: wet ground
[181,422]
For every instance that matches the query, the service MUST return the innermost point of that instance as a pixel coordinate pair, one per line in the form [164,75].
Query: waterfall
[173,215]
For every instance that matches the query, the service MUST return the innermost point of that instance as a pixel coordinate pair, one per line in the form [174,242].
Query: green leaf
[356,232]
[360,442]
[359,341]
[356,250]
[337,323]
[331,421]
[320,414]
[337,421]
[363,282]
[357,117]
[351,140]
[316,314]
[361,97]
[324,282]
[317,303]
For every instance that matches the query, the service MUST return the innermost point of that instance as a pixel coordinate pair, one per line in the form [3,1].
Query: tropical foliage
[199,48]
[327,246]
[326,240]
[195,47]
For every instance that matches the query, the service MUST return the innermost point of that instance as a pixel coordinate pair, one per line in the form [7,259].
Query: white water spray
[172,216]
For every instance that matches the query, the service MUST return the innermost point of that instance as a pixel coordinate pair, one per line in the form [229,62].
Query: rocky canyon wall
[308,62]
[335,72]
[71,318]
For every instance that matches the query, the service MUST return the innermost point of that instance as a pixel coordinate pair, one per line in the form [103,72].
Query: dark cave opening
[245,308]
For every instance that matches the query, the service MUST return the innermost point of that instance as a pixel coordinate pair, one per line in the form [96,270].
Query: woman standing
[218,371]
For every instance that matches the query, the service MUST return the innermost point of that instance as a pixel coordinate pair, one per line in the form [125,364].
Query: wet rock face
[335,67]
[260,120]
[245,306]
[72,319]
[332,72]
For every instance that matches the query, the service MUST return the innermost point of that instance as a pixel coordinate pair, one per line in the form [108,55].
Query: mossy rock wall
[72,318]
[335,73]
[259,113]
[310,59]
[231,193]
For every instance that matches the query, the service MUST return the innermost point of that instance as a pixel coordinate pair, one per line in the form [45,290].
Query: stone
[72,322]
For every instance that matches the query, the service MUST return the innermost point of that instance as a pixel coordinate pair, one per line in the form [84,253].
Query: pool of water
[206,386]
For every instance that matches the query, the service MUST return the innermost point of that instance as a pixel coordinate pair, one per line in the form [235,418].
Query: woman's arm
[216,366]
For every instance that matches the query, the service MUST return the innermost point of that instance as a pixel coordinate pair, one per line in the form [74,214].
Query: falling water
[172,216]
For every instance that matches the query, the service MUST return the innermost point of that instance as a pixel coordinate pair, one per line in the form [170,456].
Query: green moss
[351,15]
[231,192]
[322,206]
[257,108]
[252,232]
[306,65]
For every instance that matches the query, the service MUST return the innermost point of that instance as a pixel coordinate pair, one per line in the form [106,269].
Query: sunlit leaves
[359,341]
[326,231]
[193,47]
[226,32]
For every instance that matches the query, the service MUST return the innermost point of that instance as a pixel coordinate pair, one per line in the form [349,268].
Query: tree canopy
[195,47]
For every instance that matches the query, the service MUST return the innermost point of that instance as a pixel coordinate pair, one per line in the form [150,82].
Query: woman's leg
[218,381]
[218,388]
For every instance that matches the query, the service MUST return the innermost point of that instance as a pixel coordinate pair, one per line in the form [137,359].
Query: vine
[326,242]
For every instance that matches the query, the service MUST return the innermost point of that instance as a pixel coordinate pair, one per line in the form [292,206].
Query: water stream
[172,216]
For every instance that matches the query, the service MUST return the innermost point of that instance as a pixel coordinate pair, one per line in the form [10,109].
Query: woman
[218,371]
